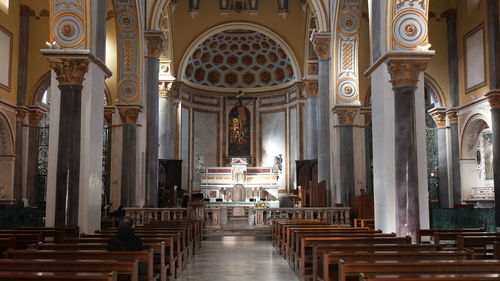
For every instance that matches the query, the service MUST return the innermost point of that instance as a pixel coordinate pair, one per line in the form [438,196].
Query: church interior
[272,139]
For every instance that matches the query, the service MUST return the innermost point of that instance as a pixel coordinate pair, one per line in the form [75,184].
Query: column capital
[405,72]
[164,91]
[155,43]
[438,114]
[129,112]
[311,87]
[450,15]
[321,44]
[367,113]
[35,115]
[21,112]
[346,114]
[494,99]
[452,114]
[69,70]
[109,110]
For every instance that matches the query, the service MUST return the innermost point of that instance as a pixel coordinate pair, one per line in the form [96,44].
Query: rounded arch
[472,129]
[6,137]
[239,25]
[36,93]
[433,87]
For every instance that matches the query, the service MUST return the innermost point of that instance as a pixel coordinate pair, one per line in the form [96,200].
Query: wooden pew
[69,231]
[23,240]
[7,243]
[320,250]
[81,276]
[160,261]
[450,238]
[56,235]
[145,257]
[331,259]
[477,243]
[350,270]
[364,223]
[172,253]
[430,232]
[304,255]
[279,226]
[126,270]
[430,277]
[496,250]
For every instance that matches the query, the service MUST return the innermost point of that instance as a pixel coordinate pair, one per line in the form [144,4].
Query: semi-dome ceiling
[239,58]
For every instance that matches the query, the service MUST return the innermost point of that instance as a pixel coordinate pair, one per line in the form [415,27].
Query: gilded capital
[367,113]
[405,72]
[21,113]
[494,99]
[109,110]
[439,117]
[321,45]
[129,112]
[452,116]
[164,90]
[311,87]
[35,115]
[155,43]
[346,115]
[69,70]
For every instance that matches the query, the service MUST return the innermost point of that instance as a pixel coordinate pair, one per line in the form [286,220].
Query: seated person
[118,213]
[125,239]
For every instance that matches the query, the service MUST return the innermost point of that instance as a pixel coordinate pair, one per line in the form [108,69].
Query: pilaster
[454,156]
[21,112]
[35,115]
[311,90]
[438,114]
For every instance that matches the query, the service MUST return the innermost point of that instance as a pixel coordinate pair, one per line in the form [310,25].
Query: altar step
[228,233]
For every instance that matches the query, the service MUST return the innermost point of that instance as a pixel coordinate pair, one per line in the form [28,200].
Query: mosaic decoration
[409,24]
[347,41]
[127,24]
[239,131]
[239,59]
[68,24]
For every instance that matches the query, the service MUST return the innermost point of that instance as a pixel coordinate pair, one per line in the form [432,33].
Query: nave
[237,258]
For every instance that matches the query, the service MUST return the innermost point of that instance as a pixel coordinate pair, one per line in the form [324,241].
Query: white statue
[278,160]
[200,163]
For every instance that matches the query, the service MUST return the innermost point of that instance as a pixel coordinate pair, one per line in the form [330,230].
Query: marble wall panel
[273,139]
[294,147]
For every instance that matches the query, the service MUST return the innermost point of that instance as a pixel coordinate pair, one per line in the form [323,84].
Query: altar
[239,183]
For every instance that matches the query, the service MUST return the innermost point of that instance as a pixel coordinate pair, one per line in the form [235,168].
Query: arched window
[239,131]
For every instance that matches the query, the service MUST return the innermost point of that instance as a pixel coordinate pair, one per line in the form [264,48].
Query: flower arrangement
[261,204]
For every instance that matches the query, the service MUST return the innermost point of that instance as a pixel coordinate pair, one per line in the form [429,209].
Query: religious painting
[239,131]
[488,155]
[5,58]
[474,59]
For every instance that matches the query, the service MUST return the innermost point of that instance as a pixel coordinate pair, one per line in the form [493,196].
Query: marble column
[404,74]
[109,110]
[438,114]
[154,40]
[35,115]
[451,19]
[21,113]
[494,99]
[166,122]
[367,114]
[346,115]
[311,89]
[321,44]
[454,157]
[129,114]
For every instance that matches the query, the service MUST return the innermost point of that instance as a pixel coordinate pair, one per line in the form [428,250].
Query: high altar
[239,183]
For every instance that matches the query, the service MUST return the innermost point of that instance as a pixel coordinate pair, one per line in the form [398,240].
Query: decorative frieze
[409,25]
[68,24]
[129,112]
[311,87]
[321,45]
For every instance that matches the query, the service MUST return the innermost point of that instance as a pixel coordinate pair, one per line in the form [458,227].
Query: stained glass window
[239,131]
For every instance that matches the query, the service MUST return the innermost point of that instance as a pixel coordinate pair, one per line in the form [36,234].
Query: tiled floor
[237,259]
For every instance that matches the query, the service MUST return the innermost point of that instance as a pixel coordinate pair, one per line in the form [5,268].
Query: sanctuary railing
[334,215]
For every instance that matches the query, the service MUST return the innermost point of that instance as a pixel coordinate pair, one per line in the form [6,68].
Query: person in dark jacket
[125,239]
[118,213]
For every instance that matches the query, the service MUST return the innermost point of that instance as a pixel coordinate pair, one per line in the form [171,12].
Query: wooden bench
[478,244]
[430,232]
[24,240]
[319,250]
[351,270]
[331,259]
[496,250]
[160,266]
[450,238]
[81,276]
[304,256]
[278,227]
[126,270]
[370,223]
[69,231]
[145,257]
[55,235]
[430,277]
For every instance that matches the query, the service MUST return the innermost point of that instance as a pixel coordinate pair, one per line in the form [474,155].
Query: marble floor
[237,259]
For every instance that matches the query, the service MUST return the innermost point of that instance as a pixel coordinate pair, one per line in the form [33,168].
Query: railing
[143,216]
[259,217]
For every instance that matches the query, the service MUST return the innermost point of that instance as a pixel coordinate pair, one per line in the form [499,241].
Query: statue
[200,163]
[278,160]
